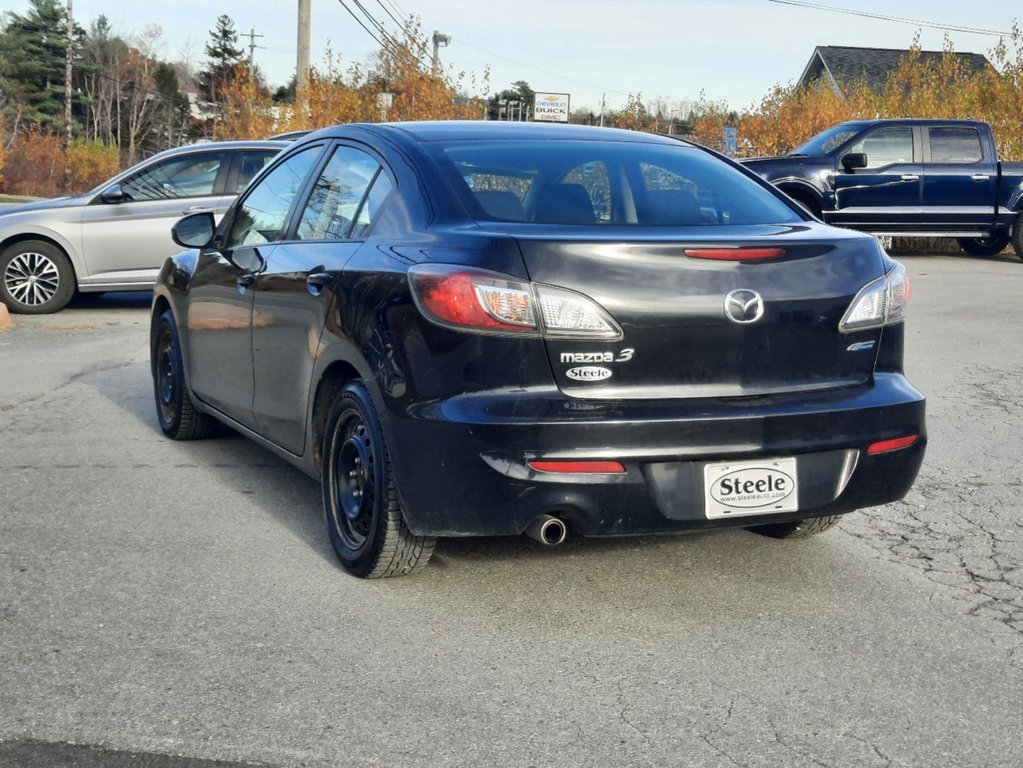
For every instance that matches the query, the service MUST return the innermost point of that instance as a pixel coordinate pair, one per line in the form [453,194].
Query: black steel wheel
[175,411]
[360,498]
[796,529]
[983,246]
[36,278]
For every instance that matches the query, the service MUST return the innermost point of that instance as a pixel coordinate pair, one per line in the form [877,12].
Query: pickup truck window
[955,145]
[823,143]
[886,146]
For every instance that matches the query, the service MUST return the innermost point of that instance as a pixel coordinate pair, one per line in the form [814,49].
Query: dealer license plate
[742,488]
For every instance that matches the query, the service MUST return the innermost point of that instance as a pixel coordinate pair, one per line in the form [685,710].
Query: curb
[5,318]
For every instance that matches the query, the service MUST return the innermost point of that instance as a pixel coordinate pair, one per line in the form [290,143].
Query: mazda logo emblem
[744,306]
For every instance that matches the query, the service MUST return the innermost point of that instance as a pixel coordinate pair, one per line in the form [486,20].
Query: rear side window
[616,183]
[337,195]
[955,145]
[250,164]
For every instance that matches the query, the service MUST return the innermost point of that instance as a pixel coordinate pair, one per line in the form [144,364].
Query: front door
[220,298]
[884,196]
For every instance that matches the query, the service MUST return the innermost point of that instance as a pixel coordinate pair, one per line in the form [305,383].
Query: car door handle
[319,279]
[244,282]
[980,177]
[910,177]
[196,209]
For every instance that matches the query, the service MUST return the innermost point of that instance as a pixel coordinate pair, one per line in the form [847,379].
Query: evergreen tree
[32,59]
[224,58]
[518,102]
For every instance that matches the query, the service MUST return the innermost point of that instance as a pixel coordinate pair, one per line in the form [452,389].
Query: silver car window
[191,176]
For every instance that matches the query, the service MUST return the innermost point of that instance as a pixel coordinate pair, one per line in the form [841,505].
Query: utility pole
[302,73]
[438,41]
[602,95]
[252,50]
[69,54]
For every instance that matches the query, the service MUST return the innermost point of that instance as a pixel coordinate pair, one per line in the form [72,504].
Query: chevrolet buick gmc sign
[550,107]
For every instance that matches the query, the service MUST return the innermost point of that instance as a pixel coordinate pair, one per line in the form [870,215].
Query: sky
[669,50]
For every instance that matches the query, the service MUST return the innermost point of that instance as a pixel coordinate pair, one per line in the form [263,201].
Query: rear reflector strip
[580,467]
[885,446]
[734,254]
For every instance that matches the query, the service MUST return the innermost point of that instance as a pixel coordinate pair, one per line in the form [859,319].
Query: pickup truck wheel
[983,246]
[1017,237]
[360,498]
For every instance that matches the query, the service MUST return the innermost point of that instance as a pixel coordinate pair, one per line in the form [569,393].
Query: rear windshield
[608,183]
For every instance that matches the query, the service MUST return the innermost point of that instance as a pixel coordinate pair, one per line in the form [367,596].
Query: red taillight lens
[474,299]
[734,254]
[478,300]
[580,467]
[885,446]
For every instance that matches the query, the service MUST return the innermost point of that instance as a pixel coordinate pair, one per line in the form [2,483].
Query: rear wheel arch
[334,379]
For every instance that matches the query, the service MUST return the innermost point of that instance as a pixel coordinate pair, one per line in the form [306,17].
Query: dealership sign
[551,107]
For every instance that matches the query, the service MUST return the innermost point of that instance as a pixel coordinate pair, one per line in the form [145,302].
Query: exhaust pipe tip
[548,530]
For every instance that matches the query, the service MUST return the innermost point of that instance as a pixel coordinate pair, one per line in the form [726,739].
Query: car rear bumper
[463,468]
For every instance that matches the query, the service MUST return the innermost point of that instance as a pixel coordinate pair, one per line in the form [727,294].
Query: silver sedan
[116,237]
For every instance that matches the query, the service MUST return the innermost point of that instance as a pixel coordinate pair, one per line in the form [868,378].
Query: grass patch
[13,199]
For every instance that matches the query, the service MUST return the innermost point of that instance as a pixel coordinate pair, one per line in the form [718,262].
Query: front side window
[192,176]
[335,199]
[260,217]
[886,146]
[955,145]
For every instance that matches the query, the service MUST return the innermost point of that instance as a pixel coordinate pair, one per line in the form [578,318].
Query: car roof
[475,130]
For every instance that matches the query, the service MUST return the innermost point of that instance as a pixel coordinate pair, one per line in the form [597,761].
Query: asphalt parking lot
[177,604]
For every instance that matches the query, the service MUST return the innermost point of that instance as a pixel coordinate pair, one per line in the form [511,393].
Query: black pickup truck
[910,178]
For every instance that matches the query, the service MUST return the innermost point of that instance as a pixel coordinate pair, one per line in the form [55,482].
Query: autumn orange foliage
[35,165]
[942,88]
[335,95]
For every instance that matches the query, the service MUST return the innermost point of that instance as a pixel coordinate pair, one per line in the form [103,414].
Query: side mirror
[114,194]
[853,160]
[195,231]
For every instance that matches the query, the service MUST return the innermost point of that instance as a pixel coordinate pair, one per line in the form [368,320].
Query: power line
[537,69]
[898,19]
[395,19]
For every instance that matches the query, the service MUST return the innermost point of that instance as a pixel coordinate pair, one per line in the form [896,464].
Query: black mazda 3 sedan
[495,328]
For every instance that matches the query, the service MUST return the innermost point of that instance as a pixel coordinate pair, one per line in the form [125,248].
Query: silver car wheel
[32,278]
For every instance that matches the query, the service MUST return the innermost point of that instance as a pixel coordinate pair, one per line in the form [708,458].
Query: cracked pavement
[177,604]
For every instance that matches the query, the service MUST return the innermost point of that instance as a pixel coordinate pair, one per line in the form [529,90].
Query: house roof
[835,64]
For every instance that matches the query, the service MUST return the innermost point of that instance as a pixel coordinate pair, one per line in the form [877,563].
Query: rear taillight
[882,302]
[488,302]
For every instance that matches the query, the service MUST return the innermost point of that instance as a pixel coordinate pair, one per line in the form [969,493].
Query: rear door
[960,179]
[886,195]
[293,292]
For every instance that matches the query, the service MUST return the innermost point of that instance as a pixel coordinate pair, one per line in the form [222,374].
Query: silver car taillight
[882,302]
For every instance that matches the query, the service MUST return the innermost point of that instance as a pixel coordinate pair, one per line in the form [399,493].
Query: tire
[360,497]
[36,278]
[983,246]
[179,419]
[796,529]
[1017,237]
